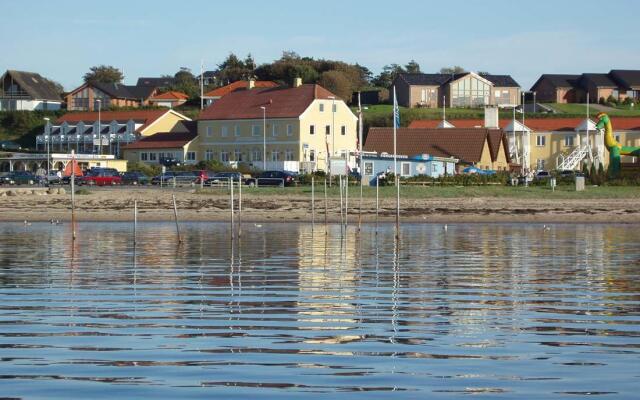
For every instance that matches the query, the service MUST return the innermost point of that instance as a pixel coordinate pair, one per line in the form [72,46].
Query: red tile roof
[163,140]
[535,124]
[171,95]
[464,144]
[280,102]
[237,85]
[145,116]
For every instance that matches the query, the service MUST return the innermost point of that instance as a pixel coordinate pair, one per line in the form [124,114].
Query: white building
[27,91]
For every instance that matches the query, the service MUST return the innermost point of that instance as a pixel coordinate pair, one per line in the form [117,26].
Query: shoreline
[156,206]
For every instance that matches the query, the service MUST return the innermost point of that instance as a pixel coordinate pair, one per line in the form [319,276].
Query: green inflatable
[615,149]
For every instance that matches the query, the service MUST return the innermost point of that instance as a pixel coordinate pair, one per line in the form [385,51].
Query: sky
[61,40]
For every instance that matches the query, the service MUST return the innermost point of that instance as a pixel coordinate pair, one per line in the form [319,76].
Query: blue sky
[61,40]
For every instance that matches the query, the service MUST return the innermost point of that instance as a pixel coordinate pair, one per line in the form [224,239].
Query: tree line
[339,77]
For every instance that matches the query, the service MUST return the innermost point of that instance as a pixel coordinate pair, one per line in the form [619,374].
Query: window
[469,91]
[540,163]
[368,168]
[312,129]
[152,157]
[256,155]
[327,129]
[191,155]
[274,155]
[289,130]
[209,131]
[236,130]
[617,137]
[343,130]
[312,155]
[274,130]
[334,107]
[568,141]
[423,95]
[224,156]
[208,155]
[255,130]
[321,107]
[288,155]
[540,140]
[237,155]
[224,131]
[144,156]
[405,169]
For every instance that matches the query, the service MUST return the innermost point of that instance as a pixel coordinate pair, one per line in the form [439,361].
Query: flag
[396,110]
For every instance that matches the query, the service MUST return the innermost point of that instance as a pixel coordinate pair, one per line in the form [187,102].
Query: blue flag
[396,110]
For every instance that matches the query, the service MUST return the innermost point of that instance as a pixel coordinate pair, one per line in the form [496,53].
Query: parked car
[476,170]
[5,179]
[163,178]
[135,178]
[23,178]
[567,173]
[54,177]
[273,178]
[541,175]
[101,177]
[224,178]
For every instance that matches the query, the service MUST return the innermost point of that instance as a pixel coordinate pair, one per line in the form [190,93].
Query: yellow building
[277,128]
[179,146]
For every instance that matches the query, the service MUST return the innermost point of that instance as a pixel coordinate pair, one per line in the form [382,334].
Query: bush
[149,170]
[627,101]
[612,100]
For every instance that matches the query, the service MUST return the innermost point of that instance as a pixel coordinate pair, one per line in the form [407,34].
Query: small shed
[421,164]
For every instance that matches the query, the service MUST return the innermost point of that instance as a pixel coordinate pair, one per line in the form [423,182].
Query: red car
[101,177]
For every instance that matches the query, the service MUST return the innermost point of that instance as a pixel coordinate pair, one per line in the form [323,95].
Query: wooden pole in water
[135,220]
[377,200]
[340,186]
[239,207]
[73,196]
[231,206]
[346,201]
[313,202]
[175,214]
[397,207]
[326,208]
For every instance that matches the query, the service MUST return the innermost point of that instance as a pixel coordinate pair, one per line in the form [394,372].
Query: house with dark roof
[87,96]
[466,89]
[480,147]
[267,127]
[181,145]
[106,132]
[27,91]
[619,84]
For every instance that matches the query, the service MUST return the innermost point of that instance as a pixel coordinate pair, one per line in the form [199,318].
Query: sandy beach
[156,205]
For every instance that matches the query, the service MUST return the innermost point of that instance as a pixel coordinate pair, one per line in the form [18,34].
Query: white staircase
[573,160]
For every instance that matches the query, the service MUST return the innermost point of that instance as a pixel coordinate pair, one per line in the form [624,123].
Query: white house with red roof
[270,127]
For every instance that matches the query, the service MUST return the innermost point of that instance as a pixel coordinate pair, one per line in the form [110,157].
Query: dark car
[220,178]
[541,175]
[101,177]
[5,179]
[162,179]
[567,173]
[273,178]
[135,178]
[24,178]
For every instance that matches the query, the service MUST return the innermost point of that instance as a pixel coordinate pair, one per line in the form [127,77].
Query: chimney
[251,84]
[297,82]
[491,117]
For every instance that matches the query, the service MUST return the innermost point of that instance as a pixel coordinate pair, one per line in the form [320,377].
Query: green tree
[389,72]
[103,74]
[456,69]
[233,69]
[337,83]
[412,67]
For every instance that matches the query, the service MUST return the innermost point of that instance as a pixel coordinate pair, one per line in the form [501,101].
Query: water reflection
[284,310]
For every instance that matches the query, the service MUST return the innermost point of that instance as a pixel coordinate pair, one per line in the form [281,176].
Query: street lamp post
[333,136]
[47,134]
[264,138]
[99,127]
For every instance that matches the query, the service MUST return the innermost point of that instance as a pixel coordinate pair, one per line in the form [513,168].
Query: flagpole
[360,154]
[201,85]
[396,120]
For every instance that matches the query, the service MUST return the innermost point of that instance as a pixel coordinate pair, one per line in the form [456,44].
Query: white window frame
[256,155]
[288,155]
[255,130]
[289,130]
[191,155]
[369,166]
[275,155]
[237,155]
[321,107]
[541,140]
[153,156]
[144,156]
[209,131]
[236,130]
[402,165]
[208,155]
[569,140]
[224,131]
[224,156]
[274,130]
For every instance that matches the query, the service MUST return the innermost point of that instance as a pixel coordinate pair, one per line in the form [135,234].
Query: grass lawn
[417,192]
[581,110]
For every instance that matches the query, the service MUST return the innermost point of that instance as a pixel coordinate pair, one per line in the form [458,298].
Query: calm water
[500,311]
